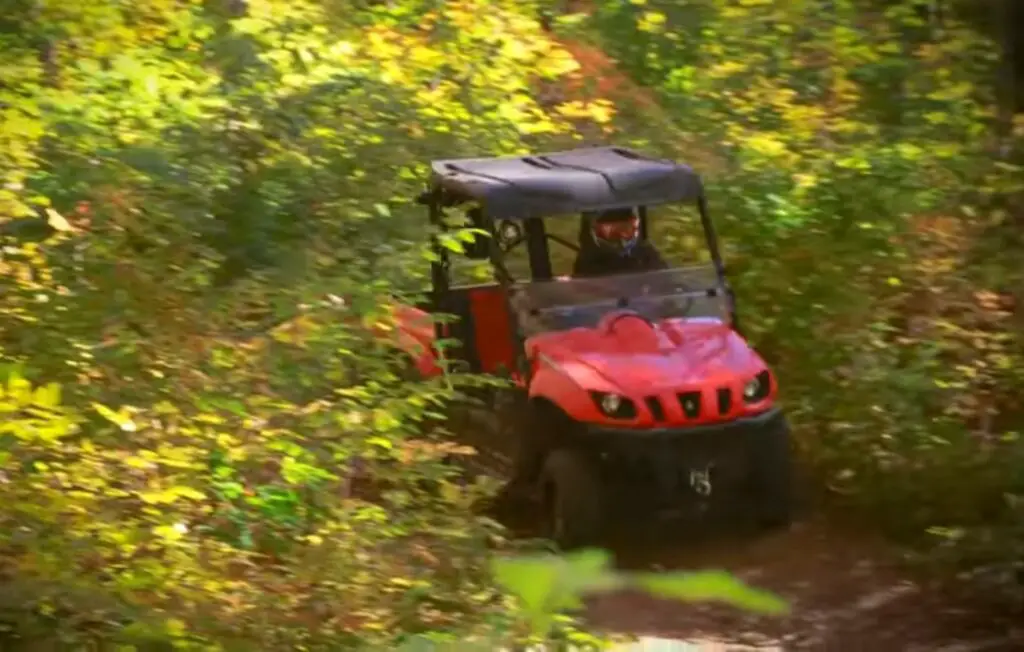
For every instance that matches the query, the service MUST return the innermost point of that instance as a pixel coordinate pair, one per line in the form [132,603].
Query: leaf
[381,442]
[713,585]
[47,396]
[168,496]
[530,579]
[120,420]
[19,389]
[548,584]
[168,532]
[57,221]
[452,244]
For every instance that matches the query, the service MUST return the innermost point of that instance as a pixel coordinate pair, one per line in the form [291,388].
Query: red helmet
[616,230]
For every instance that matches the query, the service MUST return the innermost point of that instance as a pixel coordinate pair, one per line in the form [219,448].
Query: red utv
[631,394]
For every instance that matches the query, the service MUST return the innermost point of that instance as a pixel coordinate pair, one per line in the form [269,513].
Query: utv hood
[635,357]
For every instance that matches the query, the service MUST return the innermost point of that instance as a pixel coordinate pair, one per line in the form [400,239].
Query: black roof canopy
[579,180]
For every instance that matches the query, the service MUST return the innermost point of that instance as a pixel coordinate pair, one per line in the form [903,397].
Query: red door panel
[493,335]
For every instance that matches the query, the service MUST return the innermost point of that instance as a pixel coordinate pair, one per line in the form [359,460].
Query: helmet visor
[619,234]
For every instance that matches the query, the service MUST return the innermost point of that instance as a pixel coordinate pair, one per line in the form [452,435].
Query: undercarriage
[587,478]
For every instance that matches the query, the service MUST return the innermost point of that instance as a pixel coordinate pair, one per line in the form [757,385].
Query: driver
[610,243]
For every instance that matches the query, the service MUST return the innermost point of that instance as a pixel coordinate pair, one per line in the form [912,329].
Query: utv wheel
[772,481]
[572,495]
[533,428]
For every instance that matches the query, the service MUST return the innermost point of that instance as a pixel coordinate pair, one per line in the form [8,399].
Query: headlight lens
[614,405]
[758,388]
[611,403]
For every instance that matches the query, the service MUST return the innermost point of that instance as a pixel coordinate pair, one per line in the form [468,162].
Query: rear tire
[572,499]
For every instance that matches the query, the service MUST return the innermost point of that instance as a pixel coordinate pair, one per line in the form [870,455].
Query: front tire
[772,478]
[573,499]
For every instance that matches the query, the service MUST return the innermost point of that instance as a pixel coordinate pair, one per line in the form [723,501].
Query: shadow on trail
[848,592]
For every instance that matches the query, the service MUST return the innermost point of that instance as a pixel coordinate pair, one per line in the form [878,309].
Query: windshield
[567,303]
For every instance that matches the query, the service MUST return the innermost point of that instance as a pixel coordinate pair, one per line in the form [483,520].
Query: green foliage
[547,586]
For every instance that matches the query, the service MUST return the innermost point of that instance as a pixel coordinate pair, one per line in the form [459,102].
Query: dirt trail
[846,590]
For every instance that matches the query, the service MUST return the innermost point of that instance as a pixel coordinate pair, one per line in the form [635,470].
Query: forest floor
[847,590]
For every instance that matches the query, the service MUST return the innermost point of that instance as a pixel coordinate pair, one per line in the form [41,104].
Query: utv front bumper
[659,468]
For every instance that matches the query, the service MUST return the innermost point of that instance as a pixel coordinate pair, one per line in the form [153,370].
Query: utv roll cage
[526,189]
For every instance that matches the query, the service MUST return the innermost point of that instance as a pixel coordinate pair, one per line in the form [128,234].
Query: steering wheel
[613,318]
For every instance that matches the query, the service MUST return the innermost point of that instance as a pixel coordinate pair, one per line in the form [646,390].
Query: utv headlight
[758,388]
[611,403]
[614,405]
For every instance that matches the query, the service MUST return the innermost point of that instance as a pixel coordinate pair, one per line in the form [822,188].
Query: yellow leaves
[431,95]
[175,627]
[805,181]
[783,97]
[140,462]
[425,57]
[842,125]
[844,89]
[342,50]
[517,109]
[805,121]
[725,69]
[380,43]
[119,418]
[166,455]
[170,533]
[909,151]
[557,62]
[766,144]
[854,163]
[295,331]
[18,390]
[384,421]
[47,396]
[517,50]
[464,15]
[953,92]
[651,21]
[599,111]
[946,150]
[170,495]
[57,221]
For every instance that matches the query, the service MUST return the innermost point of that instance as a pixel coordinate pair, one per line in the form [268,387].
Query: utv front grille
[724,400]
[690,402]
[654,405]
